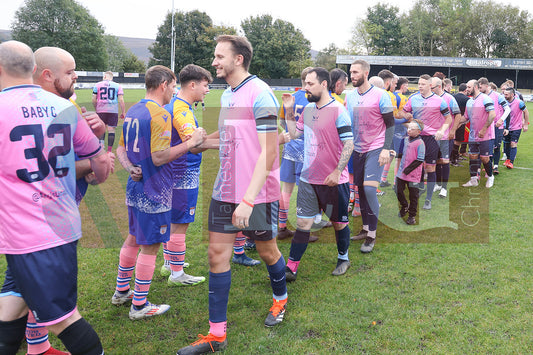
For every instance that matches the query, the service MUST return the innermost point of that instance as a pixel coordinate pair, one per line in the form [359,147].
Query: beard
[358,83]
[313,98]
[64,93]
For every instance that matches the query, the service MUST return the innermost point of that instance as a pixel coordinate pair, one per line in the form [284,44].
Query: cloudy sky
[322,25]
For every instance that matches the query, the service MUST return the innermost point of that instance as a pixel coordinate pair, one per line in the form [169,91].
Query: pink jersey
[324,129]
[517,115]
[107,93]
[430,110]
[39,134]
[454,110]
[366,111]
[477,112]
[246,111]
[413,149]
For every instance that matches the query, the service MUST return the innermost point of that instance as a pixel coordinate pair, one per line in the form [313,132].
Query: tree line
[449,28]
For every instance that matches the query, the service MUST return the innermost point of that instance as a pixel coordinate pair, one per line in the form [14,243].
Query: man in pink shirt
[39,218]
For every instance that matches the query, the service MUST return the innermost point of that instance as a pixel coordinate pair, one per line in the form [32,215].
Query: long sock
[277,279]
[126,265]
[238,245]
[385,172]
[496,155]
[11,335]
[110,141]
[445,171]
[143,278]
[36,336]
[343,242]
[284,204]
[356,201]
[80,338]
[474,166]
[488,168]
[299,245]
[507,149]
[371,198]
[455,153]
[166,255]
[176,250]
[219,286]
[512,156]
[352,187]
[363,204]
[438,174]
[431,184]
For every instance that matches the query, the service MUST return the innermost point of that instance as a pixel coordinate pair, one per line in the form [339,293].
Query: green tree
[65,24]
[120,58]
[276,44]
[194,40]
[327,57]
[383,27]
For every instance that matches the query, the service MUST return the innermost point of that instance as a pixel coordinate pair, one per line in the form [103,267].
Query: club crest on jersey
[192,210]
[163,229]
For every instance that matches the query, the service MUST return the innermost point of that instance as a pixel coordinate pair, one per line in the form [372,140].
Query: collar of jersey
[185,102]
[361,94]
[244,82]
[21,86]
[329,103]
[149,100]
[424,97]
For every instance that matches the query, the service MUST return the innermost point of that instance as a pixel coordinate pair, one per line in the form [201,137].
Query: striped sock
[385,172]
[176,252]
[143,278]
[36,336]
[166,255]
[284,204]
[238,245]
[126,265]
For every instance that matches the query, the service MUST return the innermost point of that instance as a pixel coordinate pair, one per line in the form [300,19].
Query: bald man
[39,220]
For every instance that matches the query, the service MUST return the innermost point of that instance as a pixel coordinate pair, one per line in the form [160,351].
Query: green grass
[439,287]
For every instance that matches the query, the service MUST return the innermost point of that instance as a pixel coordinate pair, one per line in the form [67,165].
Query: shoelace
[277,307]
[205,339]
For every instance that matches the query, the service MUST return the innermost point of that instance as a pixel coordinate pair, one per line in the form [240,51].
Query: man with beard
[433,111]
[39,220]
[328,146]
[502,110]
[480,113]
[518,120]
[247,189]
[371,112]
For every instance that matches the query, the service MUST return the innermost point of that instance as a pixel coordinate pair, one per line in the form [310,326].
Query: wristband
[248,203]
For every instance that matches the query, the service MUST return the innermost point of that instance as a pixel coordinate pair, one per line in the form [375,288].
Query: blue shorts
[184,205]
[333,200]
[512,136]
[396,142]
[263,224]
[366,167]
[149,228]
[290,171]
[47,280]
[483,148]
[432,149]
[444,149]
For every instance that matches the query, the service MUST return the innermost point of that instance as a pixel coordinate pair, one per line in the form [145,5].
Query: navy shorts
[432,149]
[512,136]
[184,205]
[366,167]
[149,228]
[290,171]
[483,148]
[444,149]
[47,280]
[263,224]
[460,133]
[333,200]
[109,118]
[498,137]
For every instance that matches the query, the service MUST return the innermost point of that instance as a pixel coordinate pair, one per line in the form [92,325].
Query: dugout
[459,70]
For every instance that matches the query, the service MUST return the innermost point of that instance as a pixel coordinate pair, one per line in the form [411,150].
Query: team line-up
[338,152]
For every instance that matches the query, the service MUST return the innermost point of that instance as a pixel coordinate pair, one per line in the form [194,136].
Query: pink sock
[36,336]
[166,255]
[293,265]
[126,265]
[143,278]
[176,251]
[385,172]
[238,245]
[284,204]
[217,329]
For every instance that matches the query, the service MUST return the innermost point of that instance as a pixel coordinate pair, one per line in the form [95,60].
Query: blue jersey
[294,149]
[146,130]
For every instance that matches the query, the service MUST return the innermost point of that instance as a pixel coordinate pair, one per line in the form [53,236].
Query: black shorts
[333,200]
[432,149]
[47,280]
[109,118]
[460,133]
[263,224]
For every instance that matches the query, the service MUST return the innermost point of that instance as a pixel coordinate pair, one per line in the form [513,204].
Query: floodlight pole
[173,44]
